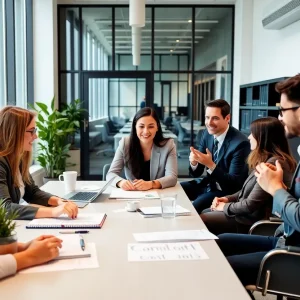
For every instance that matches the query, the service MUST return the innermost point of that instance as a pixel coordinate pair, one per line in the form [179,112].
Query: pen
[82,244]
[74,231]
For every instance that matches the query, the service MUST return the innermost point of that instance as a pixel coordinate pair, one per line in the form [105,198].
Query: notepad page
[119,194]
[82,220]
[156,210]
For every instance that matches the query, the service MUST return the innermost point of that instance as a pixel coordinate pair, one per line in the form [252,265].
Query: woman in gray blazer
[149,159]
[238,212]
[17,133]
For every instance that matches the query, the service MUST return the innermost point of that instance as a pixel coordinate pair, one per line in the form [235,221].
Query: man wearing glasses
[245,252]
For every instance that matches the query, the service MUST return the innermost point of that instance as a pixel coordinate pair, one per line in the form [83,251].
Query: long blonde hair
[13,123]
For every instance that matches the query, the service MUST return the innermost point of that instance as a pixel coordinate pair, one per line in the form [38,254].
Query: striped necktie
[215,151]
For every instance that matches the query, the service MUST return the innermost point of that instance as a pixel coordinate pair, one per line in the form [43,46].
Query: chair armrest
[294,249]
[275,219]
[264,227]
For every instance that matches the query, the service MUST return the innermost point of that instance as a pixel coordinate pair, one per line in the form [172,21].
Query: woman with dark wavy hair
[149,159]
[236,213]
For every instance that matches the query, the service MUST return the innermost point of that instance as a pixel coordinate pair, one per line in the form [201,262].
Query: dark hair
[290,87]
[271,141]
[222,104]
[135,154]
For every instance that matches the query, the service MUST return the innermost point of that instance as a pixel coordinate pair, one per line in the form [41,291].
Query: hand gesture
[203,158]
[68,207]
[126,185]
[142,185]
[220,206]
[217,201]
[43,249]
[193,157]
[269,179]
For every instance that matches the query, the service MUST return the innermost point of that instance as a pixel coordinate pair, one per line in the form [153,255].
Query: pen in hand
[82,244]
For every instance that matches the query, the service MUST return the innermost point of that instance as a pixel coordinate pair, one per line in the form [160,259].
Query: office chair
[280,268]
[105,171]
[106,138]
[183,138]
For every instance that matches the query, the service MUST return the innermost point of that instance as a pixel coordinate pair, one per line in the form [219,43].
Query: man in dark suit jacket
[223,151]
[245,252]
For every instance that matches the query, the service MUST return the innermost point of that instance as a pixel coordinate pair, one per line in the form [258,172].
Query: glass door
[115,97]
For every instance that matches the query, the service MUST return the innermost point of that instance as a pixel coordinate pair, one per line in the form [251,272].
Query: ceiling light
[177,41]
[171,50]
[190,21]
[137,13]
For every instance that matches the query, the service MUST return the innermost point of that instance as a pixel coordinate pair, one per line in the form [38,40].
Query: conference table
[116,277]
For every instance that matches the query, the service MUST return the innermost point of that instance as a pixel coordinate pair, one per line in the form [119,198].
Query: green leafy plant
[53,131]
[75,114]
[7,221]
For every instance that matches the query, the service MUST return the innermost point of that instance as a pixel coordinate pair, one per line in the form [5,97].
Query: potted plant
[53,132]
[8,237]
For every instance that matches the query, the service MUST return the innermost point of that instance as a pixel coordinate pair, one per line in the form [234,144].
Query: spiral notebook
[63,222]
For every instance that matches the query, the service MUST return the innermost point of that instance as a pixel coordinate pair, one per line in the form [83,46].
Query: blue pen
[82,244]
[74,231]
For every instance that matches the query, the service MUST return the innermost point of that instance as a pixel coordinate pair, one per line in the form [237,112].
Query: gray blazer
[163,164]
[252,203]
[11,194]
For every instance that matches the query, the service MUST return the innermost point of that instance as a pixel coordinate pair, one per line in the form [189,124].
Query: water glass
[168,205]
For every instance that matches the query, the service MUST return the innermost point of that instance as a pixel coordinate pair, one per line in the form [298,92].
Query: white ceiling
[173,28]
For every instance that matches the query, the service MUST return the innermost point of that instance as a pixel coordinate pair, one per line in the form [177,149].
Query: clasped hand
[202,158]
[219,203]
[135,185]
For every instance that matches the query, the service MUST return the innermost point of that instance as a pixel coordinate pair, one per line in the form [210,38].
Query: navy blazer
[231,170]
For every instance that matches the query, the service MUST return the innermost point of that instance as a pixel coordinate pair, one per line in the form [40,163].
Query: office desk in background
[116,278]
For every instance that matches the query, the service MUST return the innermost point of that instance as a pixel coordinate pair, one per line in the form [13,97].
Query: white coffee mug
[69,177]
[132,205]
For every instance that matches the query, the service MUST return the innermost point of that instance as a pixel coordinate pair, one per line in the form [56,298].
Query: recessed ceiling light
[177,41]
[190,21]
[171,50]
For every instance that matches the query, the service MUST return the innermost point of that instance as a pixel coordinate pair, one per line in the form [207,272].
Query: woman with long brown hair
[17,133]
[236,213]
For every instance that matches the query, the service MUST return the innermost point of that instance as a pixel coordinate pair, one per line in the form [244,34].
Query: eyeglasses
[281,109]
[32,131]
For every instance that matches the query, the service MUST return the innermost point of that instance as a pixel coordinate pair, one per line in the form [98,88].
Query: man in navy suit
[245,252]
[223,151]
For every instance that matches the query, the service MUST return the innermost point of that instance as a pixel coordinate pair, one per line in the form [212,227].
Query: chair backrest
[104,133]
[198,137]
[181,132]
[105,170]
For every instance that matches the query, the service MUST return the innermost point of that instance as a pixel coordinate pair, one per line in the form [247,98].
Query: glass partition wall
[186,60]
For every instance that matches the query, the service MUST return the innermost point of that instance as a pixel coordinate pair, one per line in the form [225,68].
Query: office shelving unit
[258,100]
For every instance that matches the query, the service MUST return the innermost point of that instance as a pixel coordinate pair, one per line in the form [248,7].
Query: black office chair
[280,268]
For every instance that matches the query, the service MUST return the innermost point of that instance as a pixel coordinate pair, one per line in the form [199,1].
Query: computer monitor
[182,110]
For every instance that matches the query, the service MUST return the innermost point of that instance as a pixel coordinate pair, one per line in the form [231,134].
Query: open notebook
[82,221]
[155,211]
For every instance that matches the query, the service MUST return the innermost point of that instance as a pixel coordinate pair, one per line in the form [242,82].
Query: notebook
[71,247]
[155,211]
[87,197]
[82,221]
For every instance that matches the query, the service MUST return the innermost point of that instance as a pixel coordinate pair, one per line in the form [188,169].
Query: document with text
[120,194]
[176,236]
[166,251]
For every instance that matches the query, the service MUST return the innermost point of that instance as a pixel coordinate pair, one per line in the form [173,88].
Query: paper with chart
[166,251]
[70,257]
[119,194]
[176,236]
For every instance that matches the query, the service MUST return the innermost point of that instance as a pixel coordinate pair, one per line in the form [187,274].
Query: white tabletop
[116,278]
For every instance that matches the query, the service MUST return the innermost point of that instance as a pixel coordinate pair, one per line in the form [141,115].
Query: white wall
[275,52]
[45,50]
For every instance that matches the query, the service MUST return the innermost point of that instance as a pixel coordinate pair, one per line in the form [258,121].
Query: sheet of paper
[128,195]
[183,235]
[156,210]
[68,264]
[166,251]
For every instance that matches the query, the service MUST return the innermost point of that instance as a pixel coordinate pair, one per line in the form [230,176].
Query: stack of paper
[178,236]
[155,211]
[120,194]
